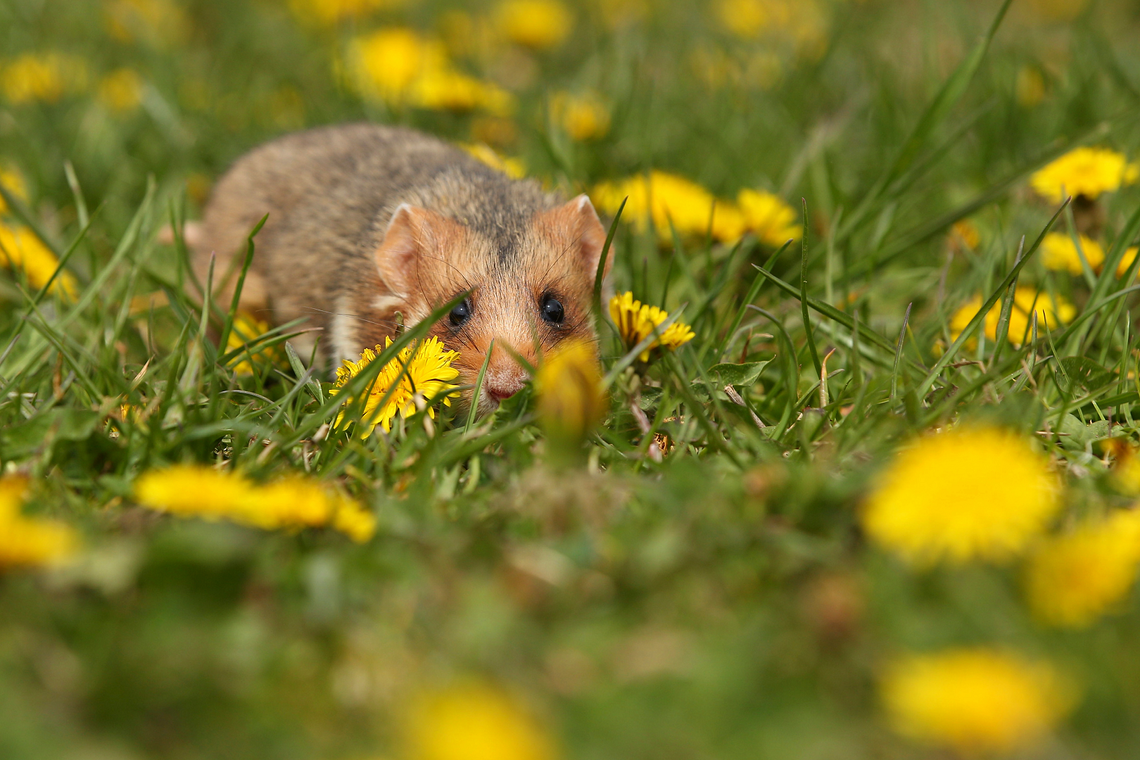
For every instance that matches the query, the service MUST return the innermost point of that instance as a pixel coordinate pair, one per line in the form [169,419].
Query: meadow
[855,478]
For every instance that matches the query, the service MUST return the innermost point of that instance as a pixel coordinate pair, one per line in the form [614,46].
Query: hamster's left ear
[578,222]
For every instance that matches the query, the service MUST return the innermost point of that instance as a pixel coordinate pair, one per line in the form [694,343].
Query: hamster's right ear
[412,232]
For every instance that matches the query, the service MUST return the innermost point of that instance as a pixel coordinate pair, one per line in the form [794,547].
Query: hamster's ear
[577,221]
[411,232]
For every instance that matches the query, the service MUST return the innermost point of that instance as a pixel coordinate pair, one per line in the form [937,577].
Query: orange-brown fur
[366,221]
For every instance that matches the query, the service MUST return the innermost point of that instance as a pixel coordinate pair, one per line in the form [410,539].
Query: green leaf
[741,375]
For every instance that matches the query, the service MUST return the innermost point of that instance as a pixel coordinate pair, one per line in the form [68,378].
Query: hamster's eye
[552,310]
[460,314]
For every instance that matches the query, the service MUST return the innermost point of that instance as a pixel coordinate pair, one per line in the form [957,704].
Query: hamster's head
[529,285]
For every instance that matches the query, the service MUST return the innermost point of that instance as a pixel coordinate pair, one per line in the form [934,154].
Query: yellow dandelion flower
[1026,300]
[13,182]
[667,200]
[28,542]
[21,249]
[512,167]
[975,701]
[769,217]
[966,233]
[536,24]
[42,77]
[445,89]
[1059,253]
[584,116]
[426,379]
[474,722]
[745,18]
[386,64]
[1074,578]
[154,22]
[636,322]
[246,329]
[1084,171]
[121,90]
[195,491]
[331,12]
[292,502]
[1058,10]
[973,493]
[570,396]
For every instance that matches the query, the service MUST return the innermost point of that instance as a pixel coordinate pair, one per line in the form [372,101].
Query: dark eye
[552,310]
[460,314]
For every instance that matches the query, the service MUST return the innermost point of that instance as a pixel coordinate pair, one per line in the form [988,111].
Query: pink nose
[501,392]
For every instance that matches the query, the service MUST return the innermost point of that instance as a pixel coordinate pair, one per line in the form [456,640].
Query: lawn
[853,480]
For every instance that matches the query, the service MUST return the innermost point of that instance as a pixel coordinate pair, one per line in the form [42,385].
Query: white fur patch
[343,332]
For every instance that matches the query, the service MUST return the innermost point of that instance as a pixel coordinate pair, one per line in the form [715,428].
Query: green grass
[641,608]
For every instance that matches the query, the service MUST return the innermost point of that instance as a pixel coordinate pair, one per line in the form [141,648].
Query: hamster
[367,221]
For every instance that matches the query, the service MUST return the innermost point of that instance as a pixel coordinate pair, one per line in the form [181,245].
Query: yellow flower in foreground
[1072,579]
[289,503]
[975,701]
[512,167]
[47,77]
[474,722]
[1059,253]
[246,329]
[21,249]
[973,493]
[570,396]
[27,542]
[583,116]
[636,322]
[13,182]
[121,90]
[1084,171]
[769,217]
[538,24]
[1026,301]
[427,379]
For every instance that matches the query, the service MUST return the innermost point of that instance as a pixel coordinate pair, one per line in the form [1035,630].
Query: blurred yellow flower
[246,329]
[474,722]
[966,232]
[1083,171]
[21,249]
[42,77]
[330,12]
[427,379]
[1074,578]
[975,701]
[1059,253]
[1058,10]
[445,89]
[767,215]
[746,18]
[121,90]
[636,321]
[537,24]
[29,542]
[512,167]
[667,200]
[13,182]
[154,22]
[386,63]
[291,502]
[1030,86]
[972,493]
[584,116]
[1026,301]
[570,396]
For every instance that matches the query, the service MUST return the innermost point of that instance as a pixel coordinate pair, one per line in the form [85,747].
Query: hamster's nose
[502,392]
